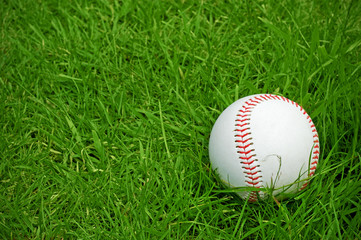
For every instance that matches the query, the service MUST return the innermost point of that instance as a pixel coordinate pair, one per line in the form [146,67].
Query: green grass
[107,109]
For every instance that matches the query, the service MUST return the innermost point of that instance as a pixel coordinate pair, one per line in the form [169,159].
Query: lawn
[107,108]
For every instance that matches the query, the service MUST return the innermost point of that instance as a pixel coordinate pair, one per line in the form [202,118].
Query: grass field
[107,108]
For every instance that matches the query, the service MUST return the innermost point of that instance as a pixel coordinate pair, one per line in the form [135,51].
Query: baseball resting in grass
[264,141]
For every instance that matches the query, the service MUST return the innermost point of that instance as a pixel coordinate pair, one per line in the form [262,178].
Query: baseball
[264,141]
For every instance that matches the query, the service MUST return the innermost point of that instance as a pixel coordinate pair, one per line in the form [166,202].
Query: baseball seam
[243,139]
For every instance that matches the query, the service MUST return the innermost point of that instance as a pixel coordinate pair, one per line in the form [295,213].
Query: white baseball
[264,141]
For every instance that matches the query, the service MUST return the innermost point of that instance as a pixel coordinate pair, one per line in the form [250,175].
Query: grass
[108,106]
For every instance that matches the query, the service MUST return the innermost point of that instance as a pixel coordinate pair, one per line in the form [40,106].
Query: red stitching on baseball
[244,111]
[251,173]
[304,186]
[254,101]
[242,130]
[245,115]
[249,168]
[242,136]
[247,108]
[242,120]
[250,104]
[315,152]
[242,141]
[244,147]
[268,96]
[252,197]
[245,152]
[253,178]
[252,183]
[246,158]
[242,125]
[248,163]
